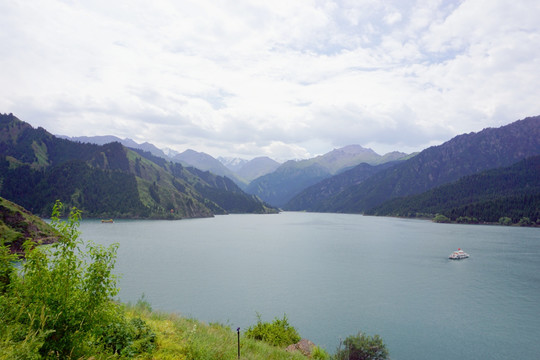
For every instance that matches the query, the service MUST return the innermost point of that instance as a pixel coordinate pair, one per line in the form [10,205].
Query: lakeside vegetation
[59,304]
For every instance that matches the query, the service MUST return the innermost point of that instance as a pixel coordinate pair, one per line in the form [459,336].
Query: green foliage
[7,270]
[277,333]
[466,220]
[525,221]
[362,347]
[127,337]
[59,305]
[319,354]
[504,220]
[439,218]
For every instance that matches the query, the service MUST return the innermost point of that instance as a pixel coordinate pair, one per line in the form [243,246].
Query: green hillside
[326,189]
[37,168]
[17,225]
[512,192]
[438,165]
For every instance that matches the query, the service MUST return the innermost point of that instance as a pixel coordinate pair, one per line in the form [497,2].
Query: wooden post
[238,332]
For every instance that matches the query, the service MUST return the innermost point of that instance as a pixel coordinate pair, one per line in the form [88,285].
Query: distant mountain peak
[355,149]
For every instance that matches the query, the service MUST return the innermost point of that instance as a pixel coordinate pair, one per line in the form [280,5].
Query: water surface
[335,274]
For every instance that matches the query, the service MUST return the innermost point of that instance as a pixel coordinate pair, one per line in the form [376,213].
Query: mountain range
[292,177]
[438,165]
[110,180]
[352,179]
[241,171]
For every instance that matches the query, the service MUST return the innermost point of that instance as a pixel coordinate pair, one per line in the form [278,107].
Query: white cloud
[271,78]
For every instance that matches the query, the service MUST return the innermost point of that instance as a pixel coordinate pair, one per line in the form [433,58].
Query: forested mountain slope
[36,168]
[315,195]
[512,192]
[461,156]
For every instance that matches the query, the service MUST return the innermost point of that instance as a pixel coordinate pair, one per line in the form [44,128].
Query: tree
[362,347]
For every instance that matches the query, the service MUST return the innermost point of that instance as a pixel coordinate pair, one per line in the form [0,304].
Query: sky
[288,79]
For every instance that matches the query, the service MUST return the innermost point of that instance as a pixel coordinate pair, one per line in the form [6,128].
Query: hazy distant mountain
[205,162]
[106,139]
[257,167]
[232,163]
[37,168]
[278,187]
[292,177]
[170,153]
[250,169]
[463,155]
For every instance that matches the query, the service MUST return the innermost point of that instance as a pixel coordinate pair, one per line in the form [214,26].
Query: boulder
[304,346]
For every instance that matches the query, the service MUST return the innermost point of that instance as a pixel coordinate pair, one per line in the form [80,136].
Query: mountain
[18,224]
[36,168]
[316,195]
[205,162]
[288,180]
[106,139]
[512,192]
[232,163]
[170,153]
[461,156]
[257,167]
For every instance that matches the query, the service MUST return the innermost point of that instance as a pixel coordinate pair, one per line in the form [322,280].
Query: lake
[336,274]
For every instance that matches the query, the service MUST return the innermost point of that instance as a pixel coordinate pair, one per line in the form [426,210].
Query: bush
[319,354]
[277,333]
[467,220]
[439,218]
[362,347]
[504,220]
[59,305]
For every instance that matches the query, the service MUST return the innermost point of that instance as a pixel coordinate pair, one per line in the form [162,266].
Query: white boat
[458,255]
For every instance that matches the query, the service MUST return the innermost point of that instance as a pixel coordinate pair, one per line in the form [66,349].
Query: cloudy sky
[281,78]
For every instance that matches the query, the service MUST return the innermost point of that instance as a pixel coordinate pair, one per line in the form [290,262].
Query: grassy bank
[178,337]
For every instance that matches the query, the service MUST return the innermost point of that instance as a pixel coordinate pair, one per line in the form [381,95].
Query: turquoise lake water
[335,274]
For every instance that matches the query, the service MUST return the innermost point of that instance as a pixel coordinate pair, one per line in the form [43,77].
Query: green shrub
[362,347]
[504,220]
[277,333]
[61,299]
[319,354]
[439,218]
[467,220]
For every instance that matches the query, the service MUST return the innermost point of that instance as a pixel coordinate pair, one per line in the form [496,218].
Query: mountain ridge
[36,168]
[482,197]
[462,155]
[292,177]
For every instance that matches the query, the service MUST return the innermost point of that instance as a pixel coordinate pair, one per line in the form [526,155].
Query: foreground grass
[181,338]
